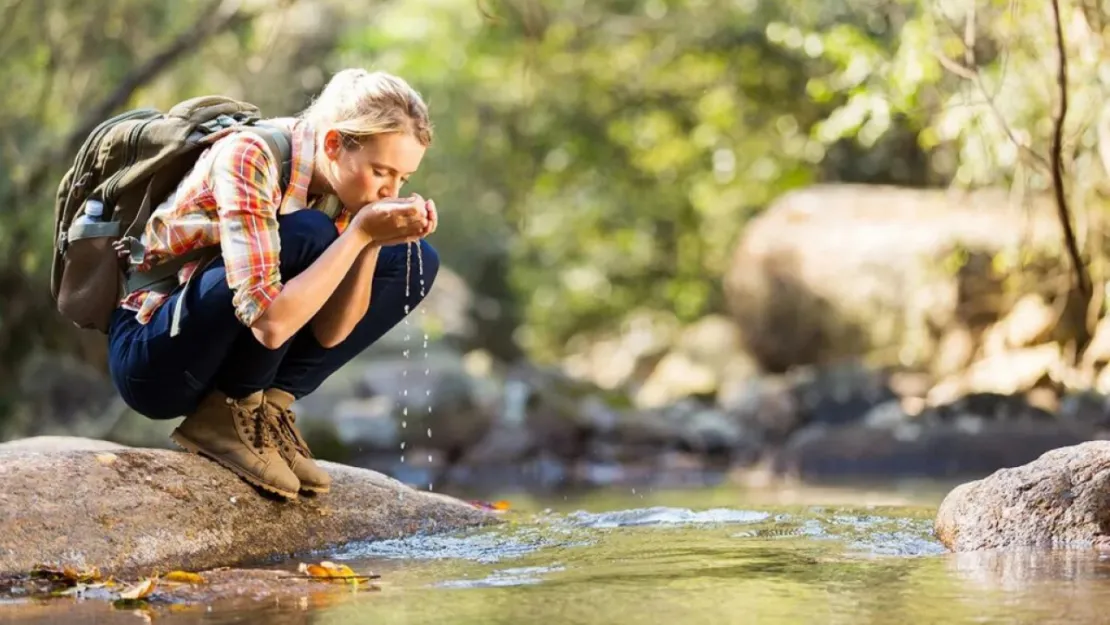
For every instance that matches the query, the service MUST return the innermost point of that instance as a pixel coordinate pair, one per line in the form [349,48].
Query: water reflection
[666,563]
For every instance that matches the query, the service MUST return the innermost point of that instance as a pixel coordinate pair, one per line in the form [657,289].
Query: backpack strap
[163,277]
[281,147]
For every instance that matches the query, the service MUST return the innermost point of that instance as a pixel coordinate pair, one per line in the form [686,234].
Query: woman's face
[374,170]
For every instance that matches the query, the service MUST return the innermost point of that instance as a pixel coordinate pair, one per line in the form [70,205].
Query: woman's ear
[333,144]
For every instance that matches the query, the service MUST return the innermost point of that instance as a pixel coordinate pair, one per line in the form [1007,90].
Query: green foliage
[592,158]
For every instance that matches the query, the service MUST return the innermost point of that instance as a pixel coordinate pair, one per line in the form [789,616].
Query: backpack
[132,162]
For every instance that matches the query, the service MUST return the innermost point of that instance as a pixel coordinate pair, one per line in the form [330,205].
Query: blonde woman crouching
[305,280]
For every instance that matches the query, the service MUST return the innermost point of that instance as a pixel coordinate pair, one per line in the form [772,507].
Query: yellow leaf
[313,570]
[338,570]
[139,591]
[183,577]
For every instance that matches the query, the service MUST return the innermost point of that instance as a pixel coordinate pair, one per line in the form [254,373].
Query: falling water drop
[402,444]
[429,432]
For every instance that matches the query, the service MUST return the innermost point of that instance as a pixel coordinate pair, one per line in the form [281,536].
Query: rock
[58,443]
[624,358]
[964,446]
[838,394]
[834,271]
[130,511]
[1006,373]
[220,587]
[1088,407]
[678,375]
[713,341]
[1097,354]
[1061,498]
[1028,323]
[767,406]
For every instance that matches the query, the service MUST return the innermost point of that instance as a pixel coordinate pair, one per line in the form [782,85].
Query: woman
[295,293]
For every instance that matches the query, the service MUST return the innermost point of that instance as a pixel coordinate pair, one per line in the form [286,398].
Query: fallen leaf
[183,577]
[332,571]
[338,570]
[495,506]
[67,574]
[313,570]
[141,590]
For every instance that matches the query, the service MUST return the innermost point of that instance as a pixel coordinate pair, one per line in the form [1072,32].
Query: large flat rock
[1061,499]
[132,511]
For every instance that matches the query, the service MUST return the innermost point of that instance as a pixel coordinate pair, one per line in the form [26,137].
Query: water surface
[721,555]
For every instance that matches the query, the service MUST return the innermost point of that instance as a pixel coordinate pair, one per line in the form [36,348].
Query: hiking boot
[238,434]
[292,445]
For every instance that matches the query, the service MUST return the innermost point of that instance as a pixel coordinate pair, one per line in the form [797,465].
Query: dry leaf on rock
[331,571]
[183,577]
[141,590]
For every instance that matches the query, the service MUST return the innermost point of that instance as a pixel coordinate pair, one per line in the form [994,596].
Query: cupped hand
[395,220]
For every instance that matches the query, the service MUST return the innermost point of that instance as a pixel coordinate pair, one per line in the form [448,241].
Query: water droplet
[406,392]
[402,458]
[405,411]
[402,444]
[429,432]
[404,424]
[407,309]
[429,457]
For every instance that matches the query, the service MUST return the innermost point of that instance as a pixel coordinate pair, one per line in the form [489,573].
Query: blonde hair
[361,104]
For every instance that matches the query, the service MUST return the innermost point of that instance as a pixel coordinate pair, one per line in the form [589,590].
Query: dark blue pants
[163,377]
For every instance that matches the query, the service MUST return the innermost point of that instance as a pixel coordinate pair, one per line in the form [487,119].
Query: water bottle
[94,210]
[84,223]
[93,213]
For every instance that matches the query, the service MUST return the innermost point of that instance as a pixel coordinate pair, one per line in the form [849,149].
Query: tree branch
[212,22]
[1083,279]
[970,71]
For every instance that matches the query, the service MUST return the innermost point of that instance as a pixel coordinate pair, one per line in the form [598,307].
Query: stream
[713,555]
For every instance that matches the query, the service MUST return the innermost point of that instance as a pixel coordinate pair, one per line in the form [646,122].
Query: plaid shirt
[231,198]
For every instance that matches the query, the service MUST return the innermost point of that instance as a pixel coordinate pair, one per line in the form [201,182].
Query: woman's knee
[305,235]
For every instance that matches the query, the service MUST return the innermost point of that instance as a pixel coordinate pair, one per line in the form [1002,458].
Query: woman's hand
[396,220]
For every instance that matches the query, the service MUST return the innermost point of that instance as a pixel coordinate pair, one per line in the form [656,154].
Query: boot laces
[260,426]
[285,421]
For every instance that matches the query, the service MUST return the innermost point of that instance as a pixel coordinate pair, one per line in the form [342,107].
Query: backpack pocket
[92,277]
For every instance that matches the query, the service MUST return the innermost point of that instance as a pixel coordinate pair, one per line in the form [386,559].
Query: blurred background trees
[593,160]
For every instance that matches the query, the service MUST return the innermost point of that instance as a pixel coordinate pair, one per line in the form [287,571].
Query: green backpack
[131,163]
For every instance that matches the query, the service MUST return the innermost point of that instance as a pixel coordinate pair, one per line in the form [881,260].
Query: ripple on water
[664,516]
[505,577]
[486,547]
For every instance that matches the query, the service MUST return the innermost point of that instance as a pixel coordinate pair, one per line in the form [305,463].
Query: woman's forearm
[302,297]
[350,301]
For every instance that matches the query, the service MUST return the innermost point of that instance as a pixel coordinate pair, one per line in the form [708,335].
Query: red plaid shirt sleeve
[244,186]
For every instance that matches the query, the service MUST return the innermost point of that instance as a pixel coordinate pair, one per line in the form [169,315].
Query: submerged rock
[1060,499]
[131,511]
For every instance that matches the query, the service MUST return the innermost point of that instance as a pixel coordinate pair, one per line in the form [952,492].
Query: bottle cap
[94,208]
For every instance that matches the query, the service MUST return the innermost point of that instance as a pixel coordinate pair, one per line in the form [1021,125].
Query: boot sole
[315,490]
[183,442]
